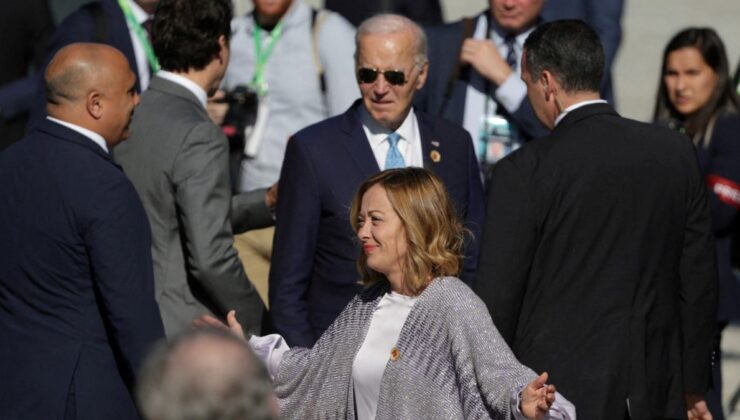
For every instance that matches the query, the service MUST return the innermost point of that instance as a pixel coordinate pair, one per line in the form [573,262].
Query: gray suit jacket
[178,161]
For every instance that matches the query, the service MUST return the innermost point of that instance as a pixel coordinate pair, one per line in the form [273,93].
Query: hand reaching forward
[234,325]
[696,407]
[537,398]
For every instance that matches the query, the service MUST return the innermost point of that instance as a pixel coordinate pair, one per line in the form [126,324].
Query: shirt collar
[379,133]
[576,106]
[500,40]
[95,137]
[187,84]
[139,13]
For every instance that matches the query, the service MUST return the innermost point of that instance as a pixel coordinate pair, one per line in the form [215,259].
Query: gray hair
[205,374]
[389,24]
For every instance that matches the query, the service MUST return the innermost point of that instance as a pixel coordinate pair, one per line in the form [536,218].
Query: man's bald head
[92,85]
[205,374]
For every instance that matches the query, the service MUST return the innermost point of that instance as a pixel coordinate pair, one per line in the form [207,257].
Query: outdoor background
[647,26]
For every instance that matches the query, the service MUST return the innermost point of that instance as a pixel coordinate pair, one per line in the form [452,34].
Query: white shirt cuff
[270,350]
[511,93]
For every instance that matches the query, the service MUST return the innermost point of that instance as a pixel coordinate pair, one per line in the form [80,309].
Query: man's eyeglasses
[394,77]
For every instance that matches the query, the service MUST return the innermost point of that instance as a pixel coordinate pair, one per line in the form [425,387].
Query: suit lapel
[431,146]
[357,144]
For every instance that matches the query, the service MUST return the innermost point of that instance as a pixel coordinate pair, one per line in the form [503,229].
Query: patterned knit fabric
[453,363]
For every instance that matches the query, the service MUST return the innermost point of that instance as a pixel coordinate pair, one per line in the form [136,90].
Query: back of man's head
[92,86]
[205,374]
[570,50]
[186,32]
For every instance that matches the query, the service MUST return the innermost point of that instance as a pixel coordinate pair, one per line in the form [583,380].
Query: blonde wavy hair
[434,234]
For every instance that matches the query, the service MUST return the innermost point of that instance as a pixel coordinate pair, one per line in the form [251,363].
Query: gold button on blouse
[395,354]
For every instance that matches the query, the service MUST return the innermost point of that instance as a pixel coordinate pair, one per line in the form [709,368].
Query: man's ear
[548,83]
[94,104]
[422,79]
[223,46]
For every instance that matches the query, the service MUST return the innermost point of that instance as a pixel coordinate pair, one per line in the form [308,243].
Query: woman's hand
[233,325]
[536,398]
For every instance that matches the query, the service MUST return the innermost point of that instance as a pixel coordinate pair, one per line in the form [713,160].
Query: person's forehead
[387,47]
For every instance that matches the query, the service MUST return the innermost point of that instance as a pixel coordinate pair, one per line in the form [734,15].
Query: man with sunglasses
[313,274]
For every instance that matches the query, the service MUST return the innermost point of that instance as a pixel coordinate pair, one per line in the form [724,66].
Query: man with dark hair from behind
[178,161]
[599,266]
[205,374]
[77,309]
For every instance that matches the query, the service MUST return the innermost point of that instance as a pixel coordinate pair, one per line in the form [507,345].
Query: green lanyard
[141,34]
[258,80]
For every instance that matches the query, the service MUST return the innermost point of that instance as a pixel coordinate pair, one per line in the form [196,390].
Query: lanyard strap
[258,80]
[141,34]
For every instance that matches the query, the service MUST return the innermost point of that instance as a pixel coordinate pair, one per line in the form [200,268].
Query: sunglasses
[394,77]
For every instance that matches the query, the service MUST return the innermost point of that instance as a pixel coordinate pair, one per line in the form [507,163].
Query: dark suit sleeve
[509,242]
[203,198]
[249,211]
[698,282]
[296,230]
[119,244]
[474,216]
[606,18]
[723,176]
[527,122]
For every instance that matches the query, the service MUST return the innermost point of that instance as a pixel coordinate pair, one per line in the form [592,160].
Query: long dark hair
[724,98]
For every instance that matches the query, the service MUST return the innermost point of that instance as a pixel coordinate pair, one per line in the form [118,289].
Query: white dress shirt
[142,63]
[371,359]
[95,137]
[409,145]
[188,84]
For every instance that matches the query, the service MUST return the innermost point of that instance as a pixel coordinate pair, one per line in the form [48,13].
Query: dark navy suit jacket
[77,308]
[313,273]
[28,94]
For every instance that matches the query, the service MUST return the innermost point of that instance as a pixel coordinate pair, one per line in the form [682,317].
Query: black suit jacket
[313,275]
[77,309]
[598,264]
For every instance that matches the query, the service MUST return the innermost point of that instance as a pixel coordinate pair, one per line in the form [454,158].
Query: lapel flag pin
[435,156]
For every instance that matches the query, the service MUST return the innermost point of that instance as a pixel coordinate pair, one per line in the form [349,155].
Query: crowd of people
[280,215]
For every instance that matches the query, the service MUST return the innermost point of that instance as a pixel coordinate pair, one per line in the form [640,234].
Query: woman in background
[697,96]
[416,343]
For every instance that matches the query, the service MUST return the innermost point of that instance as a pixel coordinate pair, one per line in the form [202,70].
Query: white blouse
[373,356]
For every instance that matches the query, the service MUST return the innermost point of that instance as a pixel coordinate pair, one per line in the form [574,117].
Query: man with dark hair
[597,261]
[205,374]
[178,161]
[77,308]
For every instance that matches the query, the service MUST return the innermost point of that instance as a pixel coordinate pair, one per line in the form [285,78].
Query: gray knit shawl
[453,362]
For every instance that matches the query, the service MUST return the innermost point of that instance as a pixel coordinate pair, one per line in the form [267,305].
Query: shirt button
[395,354]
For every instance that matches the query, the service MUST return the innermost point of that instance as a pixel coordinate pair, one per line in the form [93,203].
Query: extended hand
[209,321]
[216,109]
[537,398]
[696,407]
[483,55]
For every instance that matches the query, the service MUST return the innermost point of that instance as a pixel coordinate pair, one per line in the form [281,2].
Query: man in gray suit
[178,161]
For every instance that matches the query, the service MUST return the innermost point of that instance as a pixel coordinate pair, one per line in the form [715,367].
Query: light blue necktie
[394,159]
